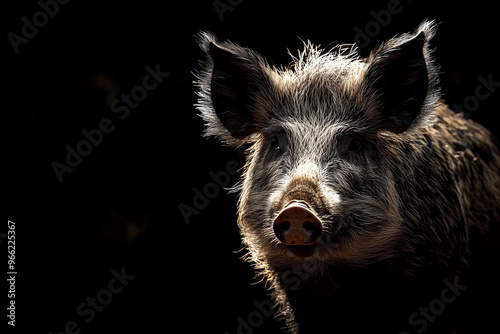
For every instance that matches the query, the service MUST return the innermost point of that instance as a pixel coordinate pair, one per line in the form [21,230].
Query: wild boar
[362,190]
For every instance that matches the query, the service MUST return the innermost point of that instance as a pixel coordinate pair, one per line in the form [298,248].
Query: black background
[119,208]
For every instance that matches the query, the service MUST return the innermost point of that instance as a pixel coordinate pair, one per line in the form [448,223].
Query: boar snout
[296,224]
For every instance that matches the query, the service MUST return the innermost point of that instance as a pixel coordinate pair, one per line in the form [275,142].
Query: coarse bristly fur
[407,191]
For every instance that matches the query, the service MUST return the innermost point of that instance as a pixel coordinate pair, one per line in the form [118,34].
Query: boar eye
[355,145]
[275,143]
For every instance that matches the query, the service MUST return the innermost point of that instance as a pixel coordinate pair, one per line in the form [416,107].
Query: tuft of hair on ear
[234,87]
[401,82]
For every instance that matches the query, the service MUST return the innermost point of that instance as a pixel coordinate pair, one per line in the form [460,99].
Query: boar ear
[232,92]
[402,81]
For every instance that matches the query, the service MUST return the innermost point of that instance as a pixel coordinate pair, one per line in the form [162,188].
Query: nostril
[285,226]
[309,227]
[281,229]
[313,229]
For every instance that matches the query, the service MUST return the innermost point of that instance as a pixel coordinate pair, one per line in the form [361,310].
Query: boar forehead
[320,96]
